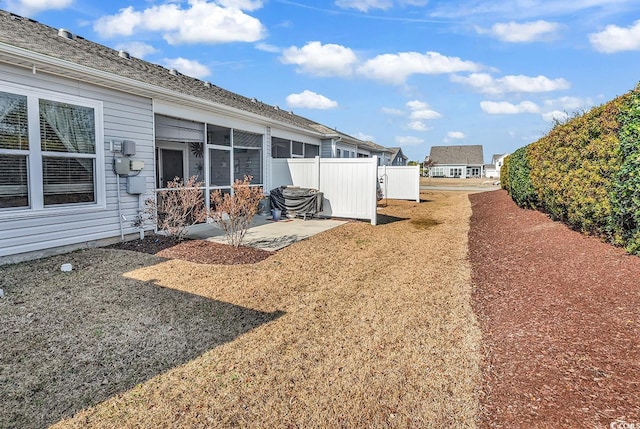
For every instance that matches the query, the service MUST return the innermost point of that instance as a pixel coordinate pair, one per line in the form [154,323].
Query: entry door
[171,162]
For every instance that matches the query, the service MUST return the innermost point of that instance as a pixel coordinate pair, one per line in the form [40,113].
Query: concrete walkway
[267,234]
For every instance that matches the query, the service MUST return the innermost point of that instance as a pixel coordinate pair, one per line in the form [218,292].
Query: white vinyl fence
[348,184]
[400,183]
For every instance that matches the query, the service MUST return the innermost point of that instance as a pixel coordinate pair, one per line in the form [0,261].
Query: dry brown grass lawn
[361,326]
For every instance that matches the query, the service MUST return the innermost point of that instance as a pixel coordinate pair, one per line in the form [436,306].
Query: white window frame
[35,154]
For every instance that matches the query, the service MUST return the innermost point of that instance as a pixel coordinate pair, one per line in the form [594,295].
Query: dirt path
[560,315]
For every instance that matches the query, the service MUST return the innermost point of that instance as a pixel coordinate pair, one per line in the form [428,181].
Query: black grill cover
[296,200]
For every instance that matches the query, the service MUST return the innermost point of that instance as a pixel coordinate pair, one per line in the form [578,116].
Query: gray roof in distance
[463,155]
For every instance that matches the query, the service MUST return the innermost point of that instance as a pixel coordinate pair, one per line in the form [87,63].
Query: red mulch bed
[560,316]
[199,251]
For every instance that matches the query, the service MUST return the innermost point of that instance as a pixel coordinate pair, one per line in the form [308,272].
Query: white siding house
[88,133]
[73,111]
[463,161]
[492,170]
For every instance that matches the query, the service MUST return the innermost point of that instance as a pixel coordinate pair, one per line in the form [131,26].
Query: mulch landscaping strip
[560,319]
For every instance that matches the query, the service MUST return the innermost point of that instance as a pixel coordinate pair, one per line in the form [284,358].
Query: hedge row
[586,172]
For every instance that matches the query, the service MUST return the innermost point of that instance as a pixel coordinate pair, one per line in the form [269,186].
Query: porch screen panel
[280,148]
[248,162]
[14,146]
[219,167]
[311,150]
[178,130]
[297,148]
[245,139]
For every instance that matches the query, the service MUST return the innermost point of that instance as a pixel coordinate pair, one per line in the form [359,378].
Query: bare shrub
[233,212]
[178,207]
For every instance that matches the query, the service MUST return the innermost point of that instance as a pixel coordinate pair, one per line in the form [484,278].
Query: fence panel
[348,184]
[400,183]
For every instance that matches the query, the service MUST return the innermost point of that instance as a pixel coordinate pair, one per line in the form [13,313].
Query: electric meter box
[136,165]
[136,185]
[128,147]
[121,165]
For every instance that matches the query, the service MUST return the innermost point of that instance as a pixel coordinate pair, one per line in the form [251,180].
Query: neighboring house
[464,161]
[87,133]
[492,170]
[383,153]
[397,157]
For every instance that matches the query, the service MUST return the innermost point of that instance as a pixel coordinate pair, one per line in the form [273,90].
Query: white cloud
[321,60]
[268,48]
[420,110]
[187,67]
[365,5]
[392,111]
[310,100]
[555,115]
[486,84]
[457,135]
[417,105]
[396,68]
[525,9]
[201,22]
[32,7]
[518,33]
[615,39]
[418,126]
[242,4]
[571,104]
[408,140]
[425,114]
[137,49]
[506,108]
[364,137]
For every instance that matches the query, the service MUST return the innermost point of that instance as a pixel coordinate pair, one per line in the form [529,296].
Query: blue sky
[409,73]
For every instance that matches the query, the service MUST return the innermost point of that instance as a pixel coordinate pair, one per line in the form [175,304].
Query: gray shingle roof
[394,152]
[33,36]
[464,155]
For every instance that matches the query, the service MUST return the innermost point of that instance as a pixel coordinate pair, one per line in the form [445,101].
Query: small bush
[178,207]
[233,212]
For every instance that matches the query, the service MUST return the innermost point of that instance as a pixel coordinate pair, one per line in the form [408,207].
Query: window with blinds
[67,139]
[14,151]
[58,169]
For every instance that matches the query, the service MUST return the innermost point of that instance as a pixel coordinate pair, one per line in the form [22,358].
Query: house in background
[465,161]
[492,170]
[383,153]
[87,133]
[397,157]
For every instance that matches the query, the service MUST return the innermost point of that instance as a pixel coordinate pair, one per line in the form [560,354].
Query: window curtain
[13,117]
[8,104]
[74,127]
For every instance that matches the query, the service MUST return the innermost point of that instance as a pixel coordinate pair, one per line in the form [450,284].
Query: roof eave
[40,62]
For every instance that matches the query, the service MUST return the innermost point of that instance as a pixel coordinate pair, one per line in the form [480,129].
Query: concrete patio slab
[267,234]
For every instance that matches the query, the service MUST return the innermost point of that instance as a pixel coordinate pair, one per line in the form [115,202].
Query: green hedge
[519,179]
[624,222]
[586,172]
